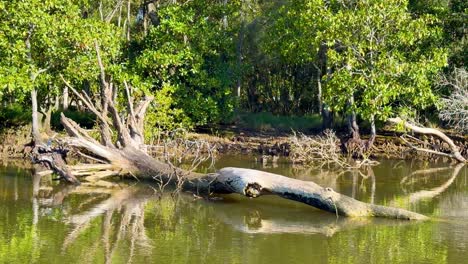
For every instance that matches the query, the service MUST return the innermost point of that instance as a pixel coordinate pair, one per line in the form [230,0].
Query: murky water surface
[49,222]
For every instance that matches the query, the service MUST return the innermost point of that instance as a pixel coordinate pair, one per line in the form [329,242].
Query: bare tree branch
[431,131]
[455,107]
[104,122]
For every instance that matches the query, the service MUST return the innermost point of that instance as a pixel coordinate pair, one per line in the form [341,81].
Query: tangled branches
[320,149]
[324,150]
[455,107]
[178,151]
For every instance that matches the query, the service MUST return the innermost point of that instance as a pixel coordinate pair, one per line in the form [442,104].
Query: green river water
[51,222]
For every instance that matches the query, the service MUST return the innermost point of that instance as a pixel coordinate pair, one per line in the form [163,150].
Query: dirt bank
[14,144]
[387,145]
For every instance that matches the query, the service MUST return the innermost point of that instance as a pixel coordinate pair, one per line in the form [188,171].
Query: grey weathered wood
[431,131]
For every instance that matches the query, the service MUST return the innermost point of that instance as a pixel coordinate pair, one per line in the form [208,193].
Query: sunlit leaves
[61,42]
[382,57]
[191,51]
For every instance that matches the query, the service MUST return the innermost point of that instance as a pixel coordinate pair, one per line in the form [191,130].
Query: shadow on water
[136,223]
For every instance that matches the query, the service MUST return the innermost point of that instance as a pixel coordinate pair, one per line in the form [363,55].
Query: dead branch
[104,123]
[55,162]
[109,103]
[455,154]
[322,149]
[455,107]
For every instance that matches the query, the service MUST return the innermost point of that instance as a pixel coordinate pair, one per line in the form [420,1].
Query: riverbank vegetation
[215,62]
[129,70]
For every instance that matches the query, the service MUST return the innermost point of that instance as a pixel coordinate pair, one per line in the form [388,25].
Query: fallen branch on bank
[455,153]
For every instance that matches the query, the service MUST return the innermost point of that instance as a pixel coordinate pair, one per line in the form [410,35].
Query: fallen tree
[127,156]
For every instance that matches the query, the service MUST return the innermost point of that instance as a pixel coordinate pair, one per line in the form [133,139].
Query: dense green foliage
[41,39]
[205,61]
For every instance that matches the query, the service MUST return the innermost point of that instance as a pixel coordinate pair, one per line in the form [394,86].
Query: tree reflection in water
[134,223]
[123,210]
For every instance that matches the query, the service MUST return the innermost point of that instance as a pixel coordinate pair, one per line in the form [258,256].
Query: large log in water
[125,156]
[254,183]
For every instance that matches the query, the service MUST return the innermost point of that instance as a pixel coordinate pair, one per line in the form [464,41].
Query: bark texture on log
[254,183]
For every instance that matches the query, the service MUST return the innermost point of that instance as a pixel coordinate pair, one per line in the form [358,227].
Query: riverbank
[388,144]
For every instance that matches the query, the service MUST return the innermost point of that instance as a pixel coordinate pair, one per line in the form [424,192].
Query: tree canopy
[204,61]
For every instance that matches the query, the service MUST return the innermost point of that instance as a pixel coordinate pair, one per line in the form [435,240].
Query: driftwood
[127,156]
[455,153]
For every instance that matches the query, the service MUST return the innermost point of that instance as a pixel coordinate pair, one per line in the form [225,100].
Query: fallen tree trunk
[455,153]
[254,183]
[127,156]
[247,182]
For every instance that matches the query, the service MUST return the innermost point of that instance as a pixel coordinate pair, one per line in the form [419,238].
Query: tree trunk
[240,44]
[353,127]
[372,124]
[327,118]
[35,118]
[225,18]
[129,5]
[46,126]
[65,98]
[371,140]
